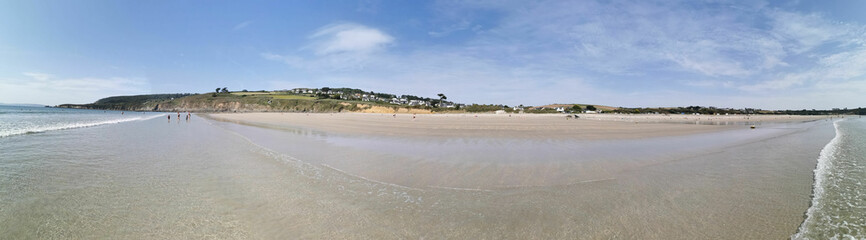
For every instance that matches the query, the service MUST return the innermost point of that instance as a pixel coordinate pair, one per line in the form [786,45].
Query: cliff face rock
[213,106]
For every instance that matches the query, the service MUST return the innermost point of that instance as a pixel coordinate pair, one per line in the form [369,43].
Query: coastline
[691,179]
[288,180]
[534,126]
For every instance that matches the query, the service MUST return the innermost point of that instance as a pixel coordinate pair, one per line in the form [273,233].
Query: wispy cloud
[242,25]
[619,52]
[348,38]
[368,6]
[47,89]
[38,76]
[459,26]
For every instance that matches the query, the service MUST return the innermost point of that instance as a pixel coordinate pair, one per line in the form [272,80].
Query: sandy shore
[490,151]
[702,119]
[599,176]
[537,126]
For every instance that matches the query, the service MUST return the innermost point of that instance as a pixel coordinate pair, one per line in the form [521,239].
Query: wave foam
[39,129]
[821,170]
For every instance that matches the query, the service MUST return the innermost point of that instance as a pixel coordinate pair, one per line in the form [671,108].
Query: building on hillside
[399,101]
[418,103]
[304,90]
[447,105]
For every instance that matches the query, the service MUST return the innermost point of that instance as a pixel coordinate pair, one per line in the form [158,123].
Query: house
[418,103]
[447,105]
[304,90]
[560,109]
[588,111]
[399,101]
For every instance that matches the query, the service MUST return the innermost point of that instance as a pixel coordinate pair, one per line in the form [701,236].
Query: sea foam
[63,126]
[825,163]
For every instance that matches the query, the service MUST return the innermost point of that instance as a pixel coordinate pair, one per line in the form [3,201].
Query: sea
[85,174]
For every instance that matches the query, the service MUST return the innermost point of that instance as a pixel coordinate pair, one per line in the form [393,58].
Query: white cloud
[591,52]
[44,88]
[462,25]
[242,25]
[38,76]
[804,32]
[348,38]
[834,73]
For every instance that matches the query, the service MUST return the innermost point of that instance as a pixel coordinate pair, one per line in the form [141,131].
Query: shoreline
[523,126]
[244,181]
[493,151]
[695,167]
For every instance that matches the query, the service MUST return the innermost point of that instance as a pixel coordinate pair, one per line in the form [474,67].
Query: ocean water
[154,178]
[16,120]
[838,209]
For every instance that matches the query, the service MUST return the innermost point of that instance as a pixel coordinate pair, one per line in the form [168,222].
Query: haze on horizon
[771,55]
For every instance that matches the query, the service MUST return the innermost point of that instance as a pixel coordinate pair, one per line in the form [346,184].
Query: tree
[590,107]
[442,97]
[326,89]
[217,90]
[576,108]
[225,90]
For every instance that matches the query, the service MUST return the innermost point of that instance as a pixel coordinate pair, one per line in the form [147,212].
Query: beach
[294,175]
[600,176]
[538,126]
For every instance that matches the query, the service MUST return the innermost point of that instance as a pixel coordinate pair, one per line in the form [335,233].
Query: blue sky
[771,55]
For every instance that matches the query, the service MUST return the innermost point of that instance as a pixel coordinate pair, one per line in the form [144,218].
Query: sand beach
[538,126]
[296,175]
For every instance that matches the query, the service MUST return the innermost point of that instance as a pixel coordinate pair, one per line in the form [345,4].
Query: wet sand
[487,151]
[550,177]
[220,179]
[537,126]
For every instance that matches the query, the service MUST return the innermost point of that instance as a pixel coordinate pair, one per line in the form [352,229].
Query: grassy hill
[227,102]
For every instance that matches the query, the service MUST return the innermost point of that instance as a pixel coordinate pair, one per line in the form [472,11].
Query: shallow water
[206,179]
[838,208]
[16,120]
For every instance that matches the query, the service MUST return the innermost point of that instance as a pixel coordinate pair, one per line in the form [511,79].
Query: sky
[737,54]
